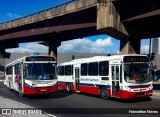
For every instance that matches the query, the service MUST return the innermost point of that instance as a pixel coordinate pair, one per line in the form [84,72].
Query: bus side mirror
[152,56]
[73,57]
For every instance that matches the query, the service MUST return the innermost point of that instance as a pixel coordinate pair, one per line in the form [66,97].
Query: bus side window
[71,69]
[61,70]
[113,74]
[68,70]
[9,70]
[84,67]
[117,72]
[120,73]
[24,71]
[20,70]
[93,69]
[103,68]
[17,71]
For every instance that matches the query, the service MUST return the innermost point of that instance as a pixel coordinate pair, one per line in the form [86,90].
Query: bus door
[19,77]
[22,76]
[77,81]
[115,76]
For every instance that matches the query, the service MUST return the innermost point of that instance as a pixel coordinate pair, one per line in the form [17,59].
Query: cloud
[19,50]
[72,46]
[12,15]
[36,47]
[77,46]
[105,42]
[85,46]
[30,47]
[145,49]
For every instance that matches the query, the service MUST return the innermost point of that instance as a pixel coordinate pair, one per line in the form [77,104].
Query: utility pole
[150,47]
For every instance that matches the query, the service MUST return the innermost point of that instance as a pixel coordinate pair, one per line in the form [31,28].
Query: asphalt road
[73,104]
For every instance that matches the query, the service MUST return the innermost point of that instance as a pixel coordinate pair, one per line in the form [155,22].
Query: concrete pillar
[52,51]
[130,46]
[53,44]
[108,20]
[2,58]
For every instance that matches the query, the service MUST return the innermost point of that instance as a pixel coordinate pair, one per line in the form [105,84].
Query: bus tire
[68,87]
[104,93]
[20,92]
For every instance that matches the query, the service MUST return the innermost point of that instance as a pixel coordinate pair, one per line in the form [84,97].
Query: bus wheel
[20,92]
[104,93]
[68,87]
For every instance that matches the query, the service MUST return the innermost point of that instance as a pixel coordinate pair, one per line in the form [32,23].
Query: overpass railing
[38,16]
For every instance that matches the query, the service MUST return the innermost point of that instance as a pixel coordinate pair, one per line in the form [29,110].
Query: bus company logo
[6,111]
[89,79]
[21,111]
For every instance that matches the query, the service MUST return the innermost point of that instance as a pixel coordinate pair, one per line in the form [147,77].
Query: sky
[12,9]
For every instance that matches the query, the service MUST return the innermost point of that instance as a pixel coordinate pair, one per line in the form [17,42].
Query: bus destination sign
[136,59]
[40,58]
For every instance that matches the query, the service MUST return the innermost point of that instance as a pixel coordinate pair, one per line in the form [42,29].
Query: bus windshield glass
[40,71]
[137,73]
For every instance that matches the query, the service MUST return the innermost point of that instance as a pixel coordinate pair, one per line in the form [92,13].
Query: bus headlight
[128,89]
[151,87]
[34,84]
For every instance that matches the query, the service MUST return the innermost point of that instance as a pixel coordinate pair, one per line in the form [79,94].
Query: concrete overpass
[126,20]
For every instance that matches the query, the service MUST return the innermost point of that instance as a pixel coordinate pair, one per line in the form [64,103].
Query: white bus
[120,76]
[32,75]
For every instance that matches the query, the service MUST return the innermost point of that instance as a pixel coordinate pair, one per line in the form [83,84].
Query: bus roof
[99,58]
[23,59]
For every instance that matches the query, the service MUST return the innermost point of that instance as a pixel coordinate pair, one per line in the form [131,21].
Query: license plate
[43,90]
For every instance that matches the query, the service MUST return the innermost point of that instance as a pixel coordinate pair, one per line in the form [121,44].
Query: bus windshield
[40,71]
[137,73]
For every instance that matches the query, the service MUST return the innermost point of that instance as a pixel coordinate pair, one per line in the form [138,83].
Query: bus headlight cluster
[128,89]
[34,84]
[151,87]
[29,86]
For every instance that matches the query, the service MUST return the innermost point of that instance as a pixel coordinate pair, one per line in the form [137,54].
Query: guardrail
[38,16]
